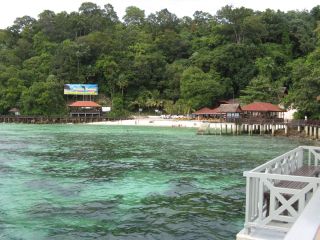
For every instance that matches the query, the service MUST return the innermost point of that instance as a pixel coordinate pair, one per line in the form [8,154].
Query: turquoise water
[113,182]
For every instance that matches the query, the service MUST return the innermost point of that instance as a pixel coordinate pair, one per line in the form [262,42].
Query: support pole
[273,130]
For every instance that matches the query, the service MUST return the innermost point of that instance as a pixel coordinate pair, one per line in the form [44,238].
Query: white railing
[274,198]
[307,225]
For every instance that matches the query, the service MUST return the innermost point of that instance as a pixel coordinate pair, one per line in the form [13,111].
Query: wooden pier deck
[52,119]
[310,129]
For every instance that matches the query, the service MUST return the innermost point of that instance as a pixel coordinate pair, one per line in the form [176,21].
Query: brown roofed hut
[205,113]
[230,112]
[263,110]
[225,112]
[14,111]
[85,109]
[202,111]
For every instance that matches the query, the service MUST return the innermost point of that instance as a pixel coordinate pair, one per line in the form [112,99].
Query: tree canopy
[161,61]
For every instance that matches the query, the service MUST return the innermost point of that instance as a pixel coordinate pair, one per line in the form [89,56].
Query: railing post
[309,157]
[300,156]
[248,203]
[260,200]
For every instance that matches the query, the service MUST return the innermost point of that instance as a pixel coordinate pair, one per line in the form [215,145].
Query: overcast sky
[11,9]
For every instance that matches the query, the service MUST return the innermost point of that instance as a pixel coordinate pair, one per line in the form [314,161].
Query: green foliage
[261,89]
[118,110]
[43,98]
[306,86]
[161,61]
[10,95]
[134,16]
[241,24]
[235,63]
[199,88]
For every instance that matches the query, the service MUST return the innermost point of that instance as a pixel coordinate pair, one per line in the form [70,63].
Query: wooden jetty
[310,129]
[52,119]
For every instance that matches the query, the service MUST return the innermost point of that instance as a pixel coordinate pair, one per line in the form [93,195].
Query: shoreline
[154,122]
[158,122]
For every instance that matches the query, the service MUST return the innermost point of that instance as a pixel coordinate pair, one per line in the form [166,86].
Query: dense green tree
[261,89]
[201,89]
[306,85]
[233,22]
[162,61]
[110,70]
[172,45]
[235,63]
[10,94]
[117,109]
[111,14]
[174,73]
[134,16]
[43,98]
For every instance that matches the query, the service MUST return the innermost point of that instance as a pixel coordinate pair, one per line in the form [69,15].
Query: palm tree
[122,82]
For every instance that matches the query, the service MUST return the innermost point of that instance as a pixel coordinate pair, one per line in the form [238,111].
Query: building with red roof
[224,111]
[230,111]
[203,111]
[85,109]
[206,113]
[263,110]
[235,111]
[84,104]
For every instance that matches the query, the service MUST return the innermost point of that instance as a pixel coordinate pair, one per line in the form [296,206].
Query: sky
[11,9]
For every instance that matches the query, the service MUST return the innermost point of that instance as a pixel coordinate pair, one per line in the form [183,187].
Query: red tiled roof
[222,109]
[202,111]
[214,111]
[262,107]
[84,104]
[205,110]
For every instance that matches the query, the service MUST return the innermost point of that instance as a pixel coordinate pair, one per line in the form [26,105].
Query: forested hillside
[161,61]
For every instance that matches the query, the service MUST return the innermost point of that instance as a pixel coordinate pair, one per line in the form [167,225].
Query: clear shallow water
[112,182]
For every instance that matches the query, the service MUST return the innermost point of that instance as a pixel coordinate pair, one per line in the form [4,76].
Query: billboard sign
[81,89]
[106,109]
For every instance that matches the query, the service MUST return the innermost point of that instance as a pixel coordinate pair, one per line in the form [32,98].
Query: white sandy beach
[153,121]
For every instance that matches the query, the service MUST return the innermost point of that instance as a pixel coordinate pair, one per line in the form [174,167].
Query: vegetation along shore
[161,62]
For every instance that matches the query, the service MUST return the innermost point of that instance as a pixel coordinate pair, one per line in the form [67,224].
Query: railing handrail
[274,160]
[274,176]
[281,157]
[310,147]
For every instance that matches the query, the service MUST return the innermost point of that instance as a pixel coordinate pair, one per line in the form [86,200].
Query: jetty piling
[311,129]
